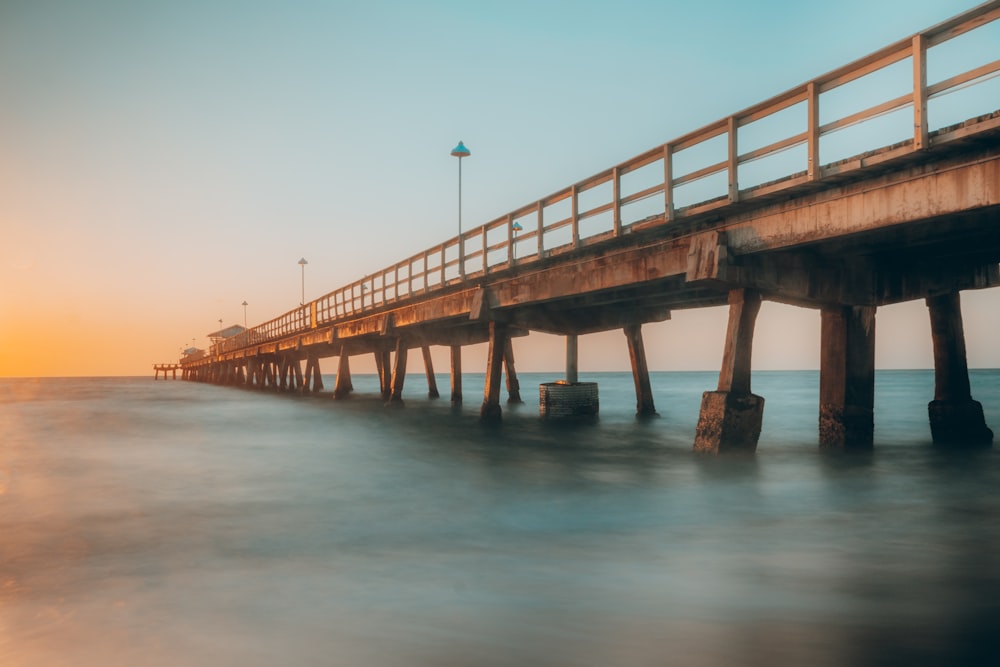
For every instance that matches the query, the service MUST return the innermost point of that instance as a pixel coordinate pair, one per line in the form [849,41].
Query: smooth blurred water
[174,523]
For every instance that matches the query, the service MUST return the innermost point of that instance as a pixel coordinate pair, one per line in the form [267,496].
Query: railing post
[616,193]
[486,264]
[427,274]
[668,182]
[541,229]
[734,186]
[443,245]
[919,93]
[574,215]
[812,130]
[510,239]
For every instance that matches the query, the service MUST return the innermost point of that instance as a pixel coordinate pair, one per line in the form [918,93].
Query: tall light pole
[302,263]
[245,304]
[460,151]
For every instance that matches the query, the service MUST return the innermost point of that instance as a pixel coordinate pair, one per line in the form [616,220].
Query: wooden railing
[648,189]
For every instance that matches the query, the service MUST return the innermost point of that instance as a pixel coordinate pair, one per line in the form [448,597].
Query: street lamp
[460,151]
[245,304]
[302,263]
[516,227]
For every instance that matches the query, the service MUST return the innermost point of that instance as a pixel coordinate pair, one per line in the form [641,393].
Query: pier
[166,368]
[917,218]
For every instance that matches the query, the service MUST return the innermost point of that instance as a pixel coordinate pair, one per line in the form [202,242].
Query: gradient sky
[162,162]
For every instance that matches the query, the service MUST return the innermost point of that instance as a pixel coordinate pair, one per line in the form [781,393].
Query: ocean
[155,523]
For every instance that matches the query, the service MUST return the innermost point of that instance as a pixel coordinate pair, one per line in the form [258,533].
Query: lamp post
[245,304]
[460,151]
[516,227]
[302,263]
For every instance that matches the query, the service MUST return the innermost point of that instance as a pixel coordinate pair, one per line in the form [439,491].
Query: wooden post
[668,183]
[812,130]
[920,131]
[432,388]
[343,385]
[955,418]
[456,373]
[398,373]
[541,231]
[616,200]
[491,411]
[575,215]
[640,372]
[731,417]
[847,377]
[734,161]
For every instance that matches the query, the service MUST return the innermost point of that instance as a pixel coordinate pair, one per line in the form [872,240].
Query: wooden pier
[166,368]
[917,219]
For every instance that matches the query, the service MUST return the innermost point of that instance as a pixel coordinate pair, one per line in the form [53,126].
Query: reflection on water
[167,523]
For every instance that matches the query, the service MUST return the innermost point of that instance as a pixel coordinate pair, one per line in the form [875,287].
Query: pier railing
[709,168]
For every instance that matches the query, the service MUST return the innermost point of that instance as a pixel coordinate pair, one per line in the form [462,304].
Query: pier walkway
[753,206]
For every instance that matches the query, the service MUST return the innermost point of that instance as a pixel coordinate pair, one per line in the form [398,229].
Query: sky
[163,162]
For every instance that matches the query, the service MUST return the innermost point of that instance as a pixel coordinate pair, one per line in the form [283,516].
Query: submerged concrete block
[729,422]
[568,399]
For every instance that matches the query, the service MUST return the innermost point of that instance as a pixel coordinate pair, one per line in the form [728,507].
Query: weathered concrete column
[490,411]
[513,386]
[432,387]
[295,382]
[640,372]
[313,375]
[847,377]
[572,358]
[383,364]
[730,418]
[343,385]
[398,373]
[283,371]
[456,373]
[955,417]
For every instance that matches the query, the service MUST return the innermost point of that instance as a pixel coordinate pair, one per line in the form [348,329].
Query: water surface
[175,523]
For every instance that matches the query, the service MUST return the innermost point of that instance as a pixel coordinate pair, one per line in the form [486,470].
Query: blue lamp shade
[460,151]
[517,227]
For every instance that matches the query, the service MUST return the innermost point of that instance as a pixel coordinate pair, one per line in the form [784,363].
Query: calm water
[174,523]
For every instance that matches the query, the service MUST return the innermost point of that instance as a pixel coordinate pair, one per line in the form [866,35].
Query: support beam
[955,418]
[383,363]
[490,411]
[295,382]
[343,385]
[398,373]
[432,388]
[640,372]
[313,375]
[847,377]
[572,359]
[513,386]
[731,417]
[456,373]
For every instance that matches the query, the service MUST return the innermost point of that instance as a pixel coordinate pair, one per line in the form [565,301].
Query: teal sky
[161,162]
